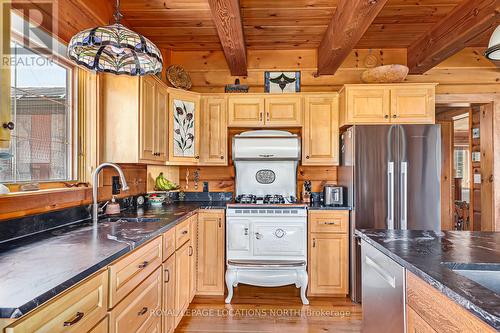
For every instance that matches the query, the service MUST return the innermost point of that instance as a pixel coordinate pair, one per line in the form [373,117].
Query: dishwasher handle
[389,278]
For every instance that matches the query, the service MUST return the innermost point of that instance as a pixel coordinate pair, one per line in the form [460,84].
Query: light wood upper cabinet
[169,284]
[213,150]
[328,253]
[211,248]
[133,119]
[246,111]
[283,110]
[320,141]
[184,127]
[387,103]
[368,105]
[256,110]
[416,105]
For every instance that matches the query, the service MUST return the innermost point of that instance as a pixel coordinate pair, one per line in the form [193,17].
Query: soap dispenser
[113,207]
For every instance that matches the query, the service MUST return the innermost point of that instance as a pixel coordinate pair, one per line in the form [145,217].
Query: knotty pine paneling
[465,72]
[28,203]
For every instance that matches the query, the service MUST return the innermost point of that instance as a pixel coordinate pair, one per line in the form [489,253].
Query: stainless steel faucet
[95,186]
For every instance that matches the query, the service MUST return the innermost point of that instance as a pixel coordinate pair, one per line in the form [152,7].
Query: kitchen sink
[130,219]
[487,275]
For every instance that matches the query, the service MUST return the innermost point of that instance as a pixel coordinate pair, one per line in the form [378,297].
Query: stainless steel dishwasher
[383,292]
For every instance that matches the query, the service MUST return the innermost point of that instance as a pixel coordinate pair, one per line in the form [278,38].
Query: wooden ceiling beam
[350,21]
[227,18]
[454,32]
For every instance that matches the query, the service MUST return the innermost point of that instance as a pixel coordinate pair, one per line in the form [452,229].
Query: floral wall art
[184,129]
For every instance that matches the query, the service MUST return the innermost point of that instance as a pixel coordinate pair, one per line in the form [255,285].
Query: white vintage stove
[266,229]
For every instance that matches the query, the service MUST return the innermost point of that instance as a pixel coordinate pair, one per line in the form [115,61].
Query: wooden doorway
[467,186]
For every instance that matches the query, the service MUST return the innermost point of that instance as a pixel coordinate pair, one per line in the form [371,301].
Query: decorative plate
[385,74]
[178,77]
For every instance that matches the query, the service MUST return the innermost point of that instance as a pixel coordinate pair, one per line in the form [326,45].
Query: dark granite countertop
[320,206]
[431,255]
[38,267]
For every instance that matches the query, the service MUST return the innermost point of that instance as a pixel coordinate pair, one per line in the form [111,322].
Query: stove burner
[265,200]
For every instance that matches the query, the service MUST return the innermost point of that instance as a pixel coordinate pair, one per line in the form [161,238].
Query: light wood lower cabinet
[169,289]
[102,327]
[193,242]
[140,311]
[128,272]
[211,249]
[431,311]
[77,310]
[182,280]
[168,243]
[328,267]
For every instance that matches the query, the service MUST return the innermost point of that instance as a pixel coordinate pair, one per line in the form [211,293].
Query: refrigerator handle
[404,195]
[390,192]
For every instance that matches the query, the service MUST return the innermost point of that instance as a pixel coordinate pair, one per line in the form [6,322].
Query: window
[42,87]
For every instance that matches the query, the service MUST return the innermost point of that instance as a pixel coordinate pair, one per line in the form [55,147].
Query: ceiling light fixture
[493,50]
[115,49]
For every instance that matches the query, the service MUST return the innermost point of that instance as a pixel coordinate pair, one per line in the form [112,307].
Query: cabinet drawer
[329,221]
[140,310]
[77,310]
[102,327]
[168,243]
[182,232]
[127,273]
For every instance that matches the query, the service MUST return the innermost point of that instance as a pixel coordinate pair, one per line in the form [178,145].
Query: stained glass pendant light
[115,49]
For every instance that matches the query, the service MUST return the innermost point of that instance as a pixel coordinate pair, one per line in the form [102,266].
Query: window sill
[42,191]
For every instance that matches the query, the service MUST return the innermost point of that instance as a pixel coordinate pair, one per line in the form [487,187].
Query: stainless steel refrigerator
[392,177]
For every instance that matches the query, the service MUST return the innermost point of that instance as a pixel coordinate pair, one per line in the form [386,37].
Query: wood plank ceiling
[283,24]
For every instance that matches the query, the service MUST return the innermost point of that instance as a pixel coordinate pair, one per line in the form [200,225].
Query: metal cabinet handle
[386,116]
[314,242]
[330,223]
[268,115]
[221,157]
[190,250]
[197,157]
[76,319]
[220,222]
[10,125]
[260,116]
[143,311]
[144,264]
[184,232]
[394,116]
[168,276]
[307,157]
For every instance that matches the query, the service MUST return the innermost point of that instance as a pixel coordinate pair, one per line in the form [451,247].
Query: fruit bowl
[156,199]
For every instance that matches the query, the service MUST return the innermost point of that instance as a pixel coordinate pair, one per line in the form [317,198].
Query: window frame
[72,121]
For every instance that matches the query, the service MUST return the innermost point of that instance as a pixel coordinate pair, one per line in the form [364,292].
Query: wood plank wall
[466,72]
[24,203]
[222,178]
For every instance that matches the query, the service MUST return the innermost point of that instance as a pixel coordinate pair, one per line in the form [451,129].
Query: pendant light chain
[117,15]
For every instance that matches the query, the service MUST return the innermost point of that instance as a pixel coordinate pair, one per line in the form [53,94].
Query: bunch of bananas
[163,184]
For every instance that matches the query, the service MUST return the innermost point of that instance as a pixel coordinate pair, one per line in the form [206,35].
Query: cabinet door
[161,124]
[136,313]
[213,131]
[148,118]
[367,105]
[193,254]
[328,264]
[246,111]
[415,323]
[211,253]
[413,105]
[182,280]
[169,281]
[283,111]
[321,131]
[184,128]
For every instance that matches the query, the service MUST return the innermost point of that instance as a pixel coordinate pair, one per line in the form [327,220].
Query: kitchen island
[458,266]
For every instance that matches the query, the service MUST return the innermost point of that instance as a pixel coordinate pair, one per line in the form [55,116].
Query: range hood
[266,145]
